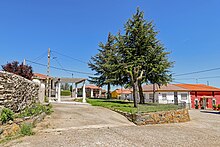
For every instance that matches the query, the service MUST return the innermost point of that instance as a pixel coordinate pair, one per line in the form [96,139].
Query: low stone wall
[173,116]
[17,92]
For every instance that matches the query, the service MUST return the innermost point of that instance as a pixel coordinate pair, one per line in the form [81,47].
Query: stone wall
[173,116]
[17,92]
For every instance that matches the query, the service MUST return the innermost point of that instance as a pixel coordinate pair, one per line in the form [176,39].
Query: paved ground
[75,125]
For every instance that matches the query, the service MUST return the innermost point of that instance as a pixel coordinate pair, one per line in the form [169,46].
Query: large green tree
[103,63]
[142,55]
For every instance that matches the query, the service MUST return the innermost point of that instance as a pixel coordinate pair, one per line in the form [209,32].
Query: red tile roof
[168,88]
[123,91]
[198,87]
[40,76]
[92,87]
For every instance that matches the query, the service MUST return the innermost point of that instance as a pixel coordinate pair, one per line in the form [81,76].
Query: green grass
[35,110]
[78,100]
[65,93]
[26,129]
[129,106]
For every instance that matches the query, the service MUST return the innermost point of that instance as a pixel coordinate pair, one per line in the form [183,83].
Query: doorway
[175,98]
[205,103]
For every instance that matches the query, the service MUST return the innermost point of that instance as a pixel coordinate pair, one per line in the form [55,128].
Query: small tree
[19,69]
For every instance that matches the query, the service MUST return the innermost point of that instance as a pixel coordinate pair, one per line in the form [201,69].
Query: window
[184,96]
[213,102]
[196,102]
[164,96]
[151,96]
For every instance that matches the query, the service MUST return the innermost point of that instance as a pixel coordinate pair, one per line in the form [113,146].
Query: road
[84,125]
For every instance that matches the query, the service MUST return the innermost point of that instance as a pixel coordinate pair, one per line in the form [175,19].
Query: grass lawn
[65,93]
[129,106]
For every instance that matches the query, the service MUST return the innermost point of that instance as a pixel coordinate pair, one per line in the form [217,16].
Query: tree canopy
[19,69]
[135,57]
[103,64]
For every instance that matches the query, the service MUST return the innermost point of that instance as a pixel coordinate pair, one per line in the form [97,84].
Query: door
[204,103]
[175,98]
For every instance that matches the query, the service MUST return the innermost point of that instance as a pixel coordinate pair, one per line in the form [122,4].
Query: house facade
[202,96]
[167,94]
[93,91]
[124,94]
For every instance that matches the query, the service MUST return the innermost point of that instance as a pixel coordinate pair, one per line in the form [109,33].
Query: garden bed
[128,106]
[145,113]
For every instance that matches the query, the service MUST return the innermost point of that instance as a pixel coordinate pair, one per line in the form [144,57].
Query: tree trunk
[108,92]
[141,95]
[135,93]
[153,93]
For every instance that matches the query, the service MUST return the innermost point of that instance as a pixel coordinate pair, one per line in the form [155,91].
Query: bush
[197,106]
[7,115]
[26,129]
[36,109]
[214,106]
[218,106]
[65,93]
[46,99]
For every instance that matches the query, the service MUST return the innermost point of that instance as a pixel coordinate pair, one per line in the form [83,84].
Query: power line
[195,72]
[68,70]
[40,57]
[70,57]
[55,58]
[211,77]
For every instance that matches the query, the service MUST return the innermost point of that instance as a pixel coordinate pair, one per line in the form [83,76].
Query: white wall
[188,100]
[169,99]
[41,92]
[126,96]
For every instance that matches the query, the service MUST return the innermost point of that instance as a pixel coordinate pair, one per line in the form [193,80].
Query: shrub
[202,107]
[7,115]
[218,106]
[36,109]
[65,93]
[46,99]
[197,106]
[26,129]
[214,106]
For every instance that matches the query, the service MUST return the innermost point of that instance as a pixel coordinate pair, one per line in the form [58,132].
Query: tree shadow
[118,102]
[211,112]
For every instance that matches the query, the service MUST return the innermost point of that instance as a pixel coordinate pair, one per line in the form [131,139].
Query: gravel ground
[74,125]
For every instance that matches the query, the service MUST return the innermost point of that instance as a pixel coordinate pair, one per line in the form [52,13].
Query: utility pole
[208,83]
[48,73]
[24,62]
[72,88]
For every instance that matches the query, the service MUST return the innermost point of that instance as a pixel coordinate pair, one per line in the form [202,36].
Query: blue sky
[189,29]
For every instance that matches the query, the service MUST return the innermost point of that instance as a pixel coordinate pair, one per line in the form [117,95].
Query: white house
[169,94]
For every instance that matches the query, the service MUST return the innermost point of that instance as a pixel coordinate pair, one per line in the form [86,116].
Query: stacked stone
[172,116]
[16,92]
[163,117]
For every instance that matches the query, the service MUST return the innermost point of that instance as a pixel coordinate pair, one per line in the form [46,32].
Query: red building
[202,96]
